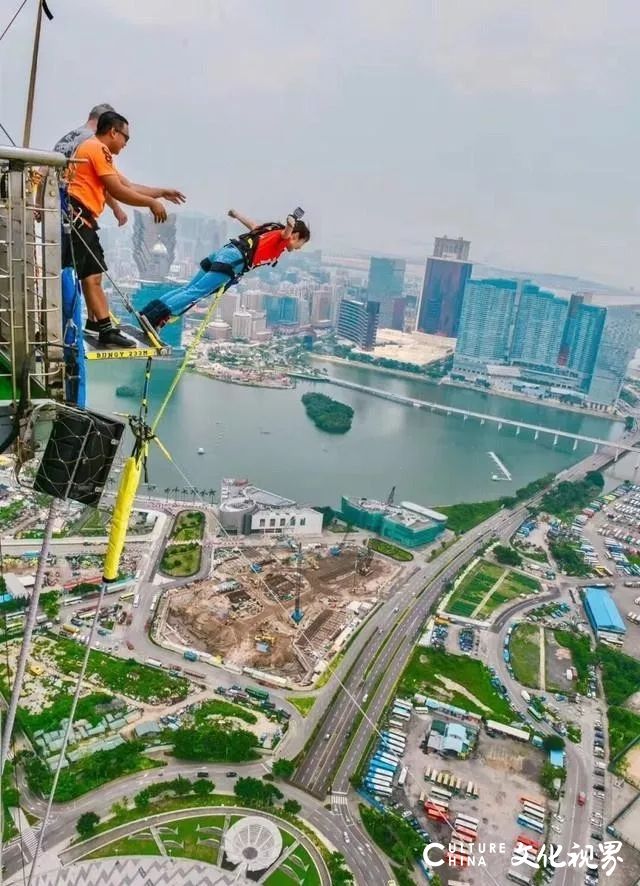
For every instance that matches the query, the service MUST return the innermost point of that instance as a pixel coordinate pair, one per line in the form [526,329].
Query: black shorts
[82,250]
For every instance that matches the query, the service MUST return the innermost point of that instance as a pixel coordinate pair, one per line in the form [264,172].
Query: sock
[104,325]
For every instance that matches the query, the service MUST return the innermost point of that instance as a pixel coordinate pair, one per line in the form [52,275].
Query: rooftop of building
[139,871]
[409,514]
[603,610]
[236,493]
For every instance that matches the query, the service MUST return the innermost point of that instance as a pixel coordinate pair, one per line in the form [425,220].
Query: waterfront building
[443,291]
[281,310]
[241,325]
[447,273]
[538,329]
[486,323]
[245,509]
[218,330]
[258,323]
[358,322]
[409,524]
[516,334]
[228,305]
[386,286]
[620,336]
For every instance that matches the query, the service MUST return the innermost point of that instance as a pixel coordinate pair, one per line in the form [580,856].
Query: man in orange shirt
[93,178]
[263,245]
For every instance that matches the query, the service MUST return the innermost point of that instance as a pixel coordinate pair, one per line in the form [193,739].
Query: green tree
[507,556]
[142,800]
[203,787]
[553,743]
[283,768]
[338,871]
[291,806]
[181,786]
[50,604]
[255,791]
[86,824]
[595,478]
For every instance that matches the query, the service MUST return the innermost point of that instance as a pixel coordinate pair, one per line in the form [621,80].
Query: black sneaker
[92,327]
[113,338]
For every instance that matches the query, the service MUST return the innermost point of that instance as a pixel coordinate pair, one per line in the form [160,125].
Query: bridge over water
[629,444]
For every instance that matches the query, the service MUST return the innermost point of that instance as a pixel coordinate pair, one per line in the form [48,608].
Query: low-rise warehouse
[602,612]
[408,524]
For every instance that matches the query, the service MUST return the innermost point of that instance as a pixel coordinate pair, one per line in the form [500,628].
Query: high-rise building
[620,338]
[539,326]
[569,345]
[358,322]
[282,310]
[153,245]
[581,338]
[386,286]
[486,324]
[450,247]
[242,325]
[228,305]
[445,279]
[259,322]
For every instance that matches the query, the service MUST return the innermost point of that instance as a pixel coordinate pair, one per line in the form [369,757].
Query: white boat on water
[200,450]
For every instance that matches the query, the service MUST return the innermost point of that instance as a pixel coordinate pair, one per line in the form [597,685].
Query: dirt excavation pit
[244,613]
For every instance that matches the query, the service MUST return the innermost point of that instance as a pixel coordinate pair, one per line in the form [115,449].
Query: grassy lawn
[579,645]
[461,518]
[525,654]
[514,585]
[189,526]
[215,708]
[326,675]
[390,550]
[181,560]
[127,676]
[624,727]
[302,703]
[473,588]
[188,833]
[424,667]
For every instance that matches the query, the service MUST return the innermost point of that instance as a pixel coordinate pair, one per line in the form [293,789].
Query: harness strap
[219,267]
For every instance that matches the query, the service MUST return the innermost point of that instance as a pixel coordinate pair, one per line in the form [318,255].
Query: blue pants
[204,283]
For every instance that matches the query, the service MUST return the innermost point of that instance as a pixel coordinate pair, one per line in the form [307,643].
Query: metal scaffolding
[31,333]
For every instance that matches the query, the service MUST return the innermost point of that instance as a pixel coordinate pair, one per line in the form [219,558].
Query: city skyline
[528,190]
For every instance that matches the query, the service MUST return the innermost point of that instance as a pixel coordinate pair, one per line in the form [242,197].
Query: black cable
[17,13]
[8,136]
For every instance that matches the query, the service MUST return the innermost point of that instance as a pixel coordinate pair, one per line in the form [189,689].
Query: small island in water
[126,391]
[327,414]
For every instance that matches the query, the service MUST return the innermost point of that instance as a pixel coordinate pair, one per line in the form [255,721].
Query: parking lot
[502,771]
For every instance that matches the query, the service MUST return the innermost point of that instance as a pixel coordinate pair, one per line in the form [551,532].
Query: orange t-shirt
[85,184]
[270,247]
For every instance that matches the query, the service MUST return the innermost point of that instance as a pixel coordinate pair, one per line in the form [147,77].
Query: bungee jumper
[93,179]
[262,245]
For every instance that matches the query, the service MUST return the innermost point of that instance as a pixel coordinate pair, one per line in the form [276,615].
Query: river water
[266,436]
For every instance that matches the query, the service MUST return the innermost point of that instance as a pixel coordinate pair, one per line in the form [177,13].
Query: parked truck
[191,655]
[526,695]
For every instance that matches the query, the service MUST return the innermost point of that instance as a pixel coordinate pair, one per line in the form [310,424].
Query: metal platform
[96,351]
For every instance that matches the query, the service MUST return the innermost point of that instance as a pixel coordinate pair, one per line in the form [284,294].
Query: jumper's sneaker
[113,338]
[92,327]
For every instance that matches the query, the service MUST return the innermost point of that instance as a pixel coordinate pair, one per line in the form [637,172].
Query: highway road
[361,856]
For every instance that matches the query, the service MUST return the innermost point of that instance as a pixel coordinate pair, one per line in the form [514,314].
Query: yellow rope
[190,350]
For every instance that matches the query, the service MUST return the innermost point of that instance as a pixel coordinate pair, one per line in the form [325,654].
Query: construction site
[285,609]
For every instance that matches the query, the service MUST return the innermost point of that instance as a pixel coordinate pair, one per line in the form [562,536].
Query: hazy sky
[511,122]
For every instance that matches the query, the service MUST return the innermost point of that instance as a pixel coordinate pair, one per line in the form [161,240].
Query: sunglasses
[124,135]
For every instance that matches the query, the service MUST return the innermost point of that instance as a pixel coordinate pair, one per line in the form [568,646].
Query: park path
[543,672]
[489,594]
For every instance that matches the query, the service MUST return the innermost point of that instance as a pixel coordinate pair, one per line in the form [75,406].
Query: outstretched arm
[170,194]
[114,186]
[243,219]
